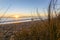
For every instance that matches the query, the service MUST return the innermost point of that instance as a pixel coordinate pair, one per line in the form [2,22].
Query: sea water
[17,20]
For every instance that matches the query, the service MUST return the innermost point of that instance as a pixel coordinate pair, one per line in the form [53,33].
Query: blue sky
[22,6]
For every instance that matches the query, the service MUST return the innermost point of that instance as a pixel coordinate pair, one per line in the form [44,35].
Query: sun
[16,16]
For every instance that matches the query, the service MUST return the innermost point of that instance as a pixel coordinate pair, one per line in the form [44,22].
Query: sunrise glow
[16,16]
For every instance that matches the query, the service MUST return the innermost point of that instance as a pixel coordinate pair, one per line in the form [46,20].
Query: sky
[22,7]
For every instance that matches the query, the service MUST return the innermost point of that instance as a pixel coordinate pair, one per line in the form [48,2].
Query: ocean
[17,20]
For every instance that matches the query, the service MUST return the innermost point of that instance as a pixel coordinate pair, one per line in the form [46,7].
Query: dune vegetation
[48,29]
